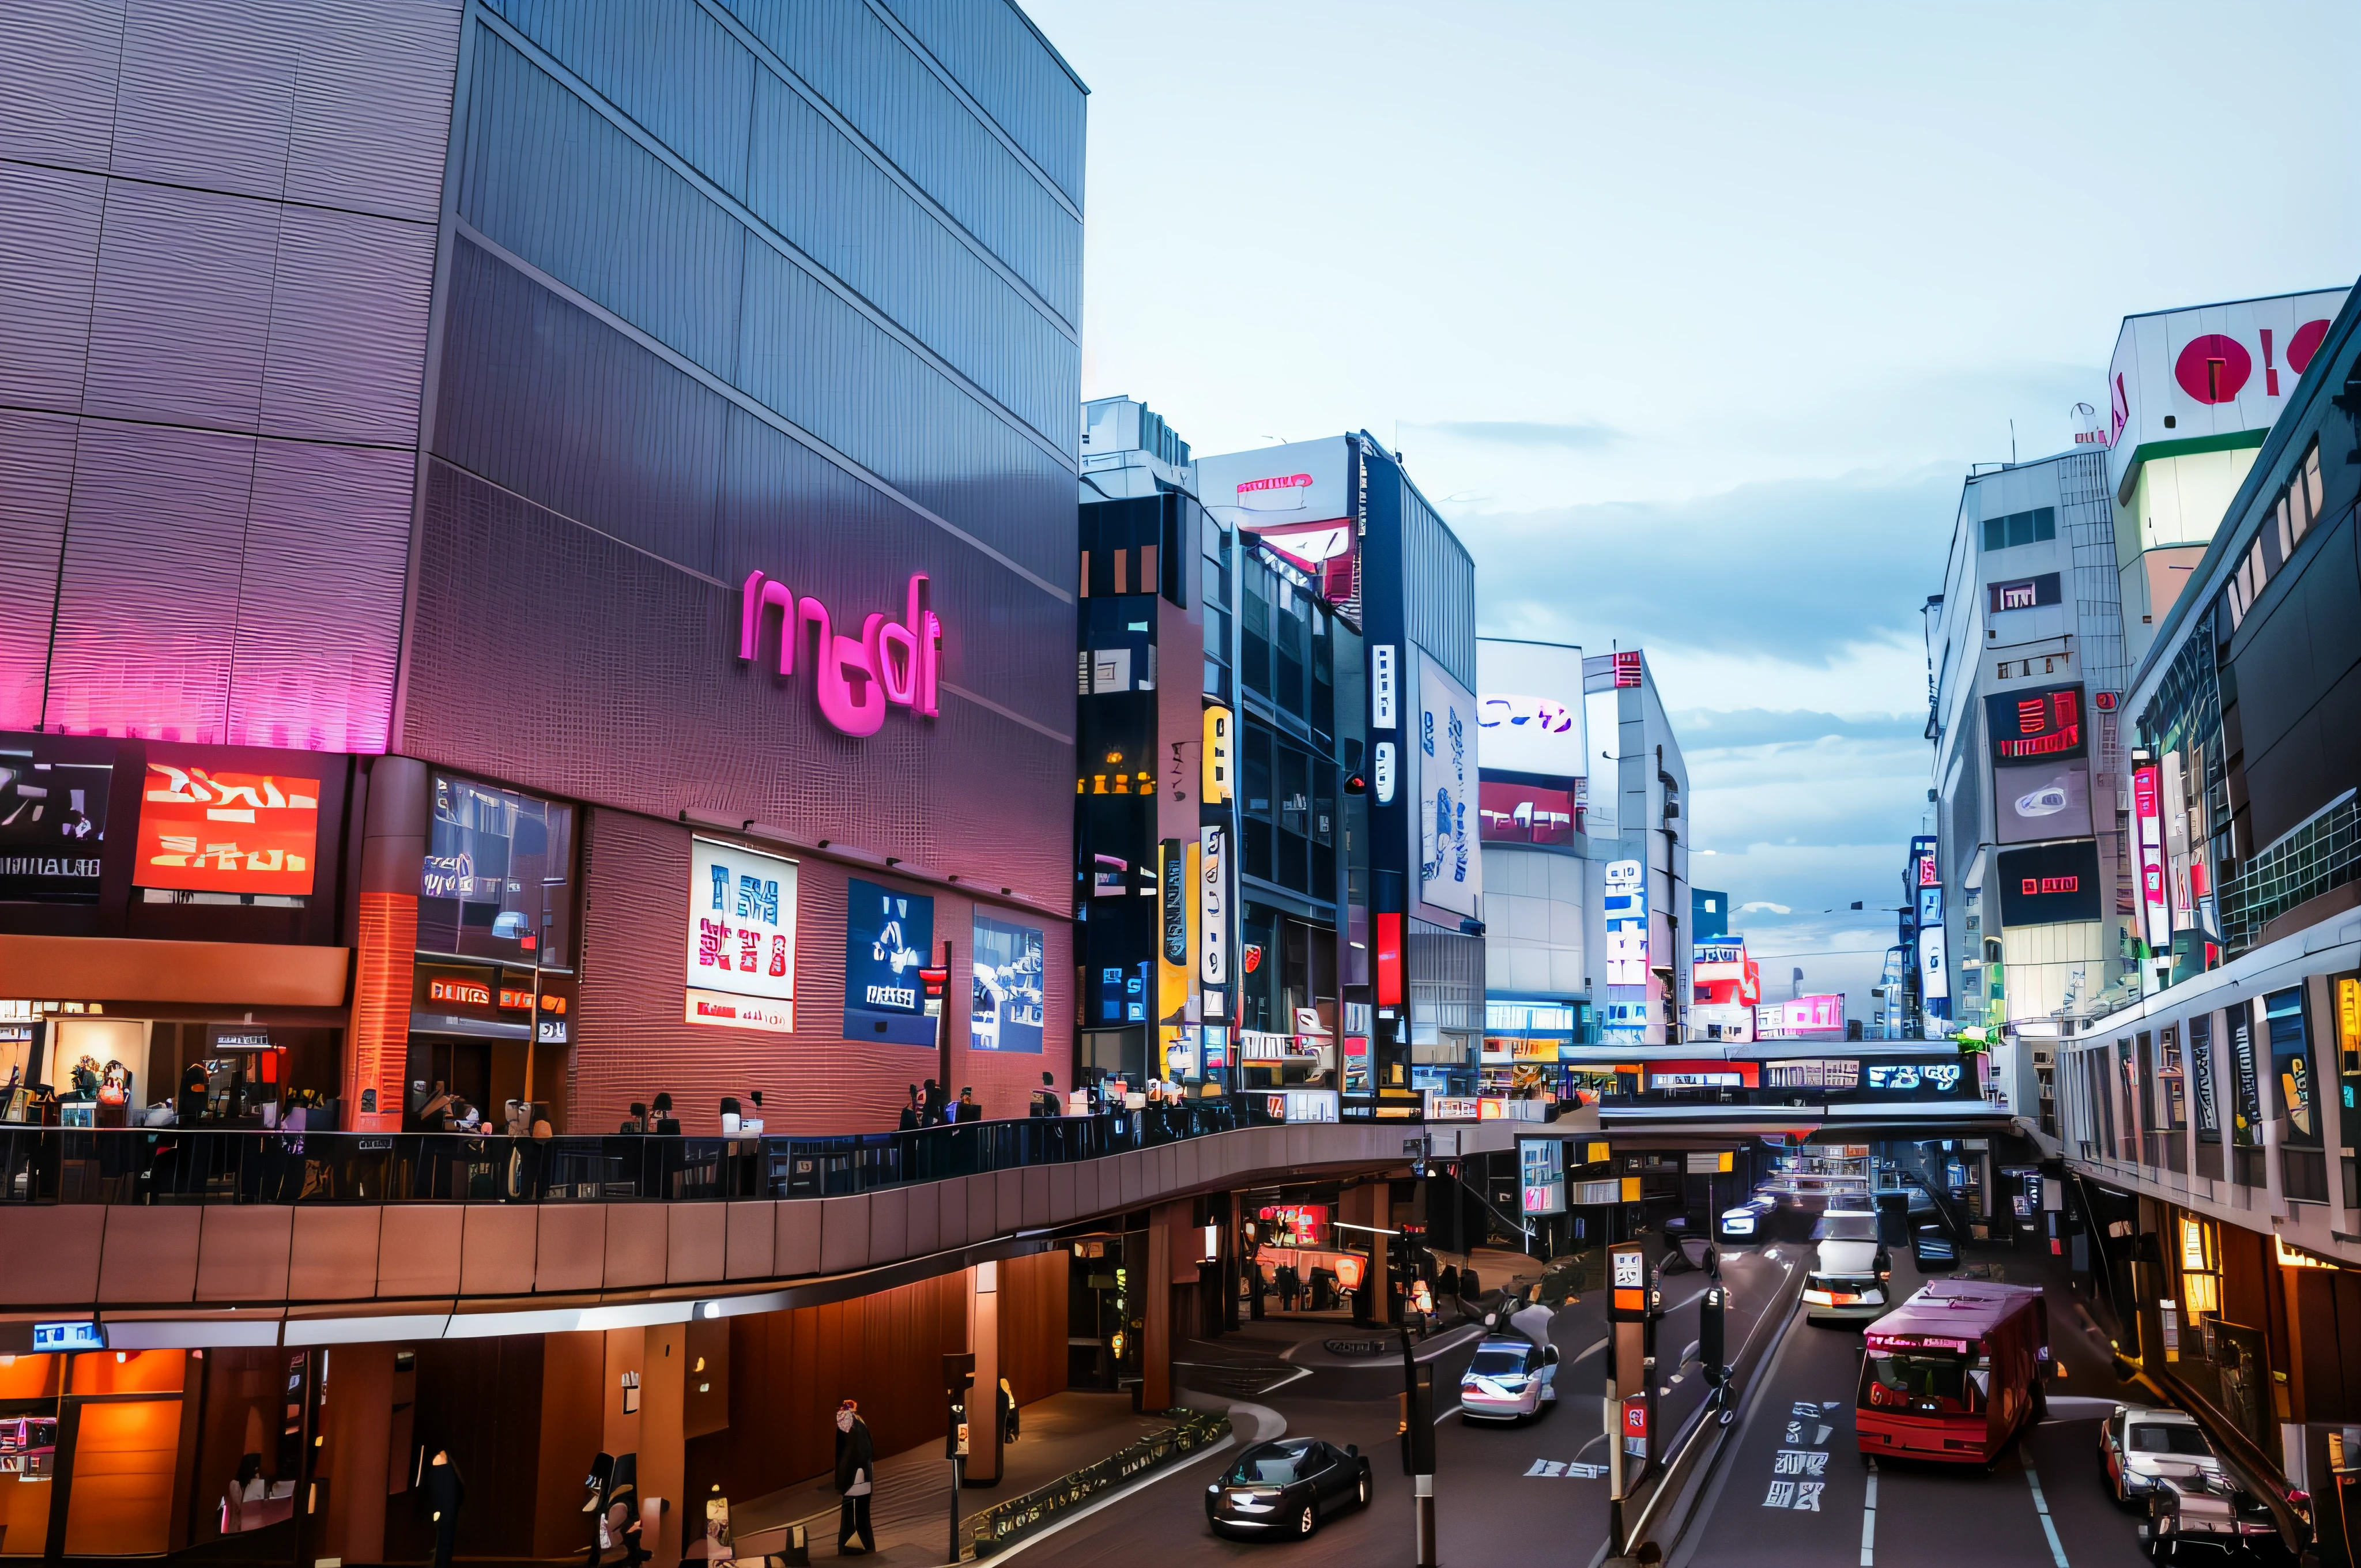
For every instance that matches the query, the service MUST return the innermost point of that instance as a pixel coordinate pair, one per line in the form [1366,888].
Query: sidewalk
[911,1509]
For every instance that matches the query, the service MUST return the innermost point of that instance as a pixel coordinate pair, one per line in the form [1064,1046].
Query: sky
[1691,320]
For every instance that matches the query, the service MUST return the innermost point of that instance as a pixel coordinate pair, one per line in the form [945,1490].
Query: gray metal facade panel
[37,460]
[327,533]
[670,64]
[148,591]
[565,188]
[856,63]
[182,307]
[58,62]
[995,55]
[372,106]
[206,94]
[347,342]
[49,257]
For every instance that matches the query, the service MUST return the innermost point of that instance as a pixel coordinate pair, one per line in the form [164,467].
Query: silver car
[2201,1514]
[2139,1447]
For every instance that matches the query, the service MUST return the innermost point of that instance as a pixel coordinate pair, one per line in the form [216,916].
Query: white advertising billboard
[1450,868]
[741,937]
[1294,496]
[2217,371]
[1529,709]
[1933,975]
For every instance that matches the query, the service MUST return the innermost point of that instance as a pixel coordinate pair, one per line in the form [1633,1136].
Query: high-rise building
[2026,656]
[1637,840]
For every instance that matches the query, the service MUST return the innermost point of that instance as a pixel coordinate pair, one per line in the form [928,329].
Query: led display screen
[52,824]
[221,830]
[2049,884]
[1007,1010]
[2039,725]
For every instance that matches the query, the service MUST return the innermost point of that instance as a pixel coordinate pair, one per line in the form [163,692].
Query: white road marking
[2041,1506]
[1869,1519]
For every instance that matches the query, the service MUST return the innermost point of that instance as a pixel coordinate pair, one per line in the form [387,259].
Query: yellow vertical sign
[1218,770]
[1177,927]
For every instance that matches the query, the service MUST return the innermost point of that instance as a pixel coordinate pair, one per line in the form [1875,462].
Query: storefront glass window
[499,878]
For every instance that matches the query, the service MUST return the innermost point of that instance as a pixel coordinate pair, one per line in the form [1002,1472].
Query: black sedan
[1287,1488]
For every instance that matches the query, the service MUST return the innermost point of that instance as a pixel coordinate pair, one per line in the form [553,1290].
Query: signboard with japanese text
[52,823]
[1450,873]
[889,936]
[741,937]
[2040,724]
[2048,884]
[215,830]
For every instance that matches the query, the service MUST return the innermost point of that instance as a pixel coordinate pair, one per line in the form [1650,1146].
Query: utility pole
[1418,1443]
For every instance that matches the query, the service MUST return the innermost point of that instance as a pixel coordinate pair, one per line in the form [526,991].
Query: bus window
[1929,1381]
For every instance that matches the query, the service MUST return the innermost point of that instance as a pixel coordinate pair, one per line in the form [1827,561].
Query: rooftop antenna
[2012,444]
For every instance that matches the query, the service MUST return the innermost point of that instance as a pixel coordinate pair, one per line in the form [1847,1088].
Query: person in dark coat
[967,1110]
[937,1109]
[1447,1287]
[856,1478]
[910,1112]
[447,1493]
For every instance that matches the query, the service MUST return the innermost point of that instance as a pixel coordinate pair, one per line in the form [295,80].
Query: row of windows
[1287,813]
[2288,519]
[1286,650]
[764,143]
[2021,528]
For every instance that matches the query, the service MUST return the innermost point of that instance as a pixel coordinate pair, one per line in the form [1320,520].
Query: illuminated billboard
[2050,800]
[215,830]
[741,937]
[888,935]
[2049,884]
[52,823]
[1450,870]
[2037,725]
[1008,1012]
[1803,1018]
[1529,710]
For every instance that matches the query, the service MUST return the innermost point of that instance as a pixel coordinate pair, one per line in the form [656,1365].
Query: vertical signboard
[2245,1081]
[1218,780]
[2148,831]
[741,937]
[2203,1078]
[1625,905]
[1450,873]
[2291,1070]
[1385,687]
[1213,907]
[1174,952]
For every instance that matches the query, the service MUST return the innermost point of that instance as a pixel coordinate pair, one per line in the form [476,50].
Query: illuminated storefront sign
[220,832]
[1293,1225]
[1625,905]
[741,937]
[890,663]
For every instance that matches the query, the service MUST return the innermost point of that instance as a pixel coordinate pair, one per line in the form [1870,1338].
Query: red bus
[1953,1372]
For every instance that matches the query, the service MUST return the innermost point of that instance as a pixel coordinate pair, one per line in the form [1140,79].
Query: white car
[1849,1277]
[1510,1380]
[1750,1221]
[2140,1446]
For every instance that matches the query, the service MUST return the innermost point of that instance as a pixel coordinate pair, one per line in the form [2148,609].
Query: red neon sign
[2035,886]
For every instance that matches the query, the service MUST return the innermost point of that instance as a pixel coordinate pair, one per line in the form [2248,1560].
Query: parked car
[1510,1380]
[1287,1488]
[2138,1446]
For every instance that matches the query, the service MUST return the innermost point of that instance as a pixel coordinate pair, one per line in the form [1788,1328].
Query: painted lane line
[2041,1506]
[1869,1519]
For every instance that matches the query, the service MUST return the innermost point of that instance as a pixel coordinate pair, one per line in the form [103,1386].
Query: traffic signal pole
[1418,1443]
[959,1377]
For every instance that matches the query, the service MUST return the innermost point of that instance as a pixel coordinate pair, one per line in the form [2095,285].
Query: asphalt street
[1793,1489]
[1517,1490]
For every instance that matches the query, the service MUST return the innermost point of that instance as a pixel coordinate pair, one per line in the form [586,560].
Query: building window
[2021,528]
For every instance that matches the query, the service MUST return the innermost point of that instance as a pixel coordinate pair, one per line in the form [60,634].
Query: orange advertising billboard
[210,831]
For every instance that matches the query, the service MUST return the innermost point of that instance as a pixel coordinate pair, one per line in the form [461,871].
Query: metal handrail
[162,1166]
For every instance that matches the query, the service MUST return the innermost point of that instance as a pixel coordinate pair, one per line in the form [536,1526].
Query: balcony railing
[199,1164]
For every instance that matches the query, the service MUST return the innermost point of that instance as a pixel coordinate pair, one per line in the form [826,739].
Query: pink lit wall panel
[35,474]
[49,255]
[148,594]
[320,600]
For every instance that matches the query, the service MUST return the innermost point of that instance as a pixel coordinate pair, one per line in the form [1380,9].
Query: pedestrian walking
[447,1493]
[856,1478]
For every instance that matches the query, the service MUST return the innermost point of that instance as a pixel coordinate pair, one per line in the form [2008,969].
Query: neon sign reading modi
[890,662]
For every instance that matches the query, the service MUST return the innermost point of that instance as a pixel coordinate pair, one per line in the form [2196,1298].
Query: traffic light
[958,1377]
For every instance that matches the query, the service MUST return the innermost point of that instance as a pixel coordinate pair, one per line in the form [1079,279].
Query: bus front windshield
[1904,1381]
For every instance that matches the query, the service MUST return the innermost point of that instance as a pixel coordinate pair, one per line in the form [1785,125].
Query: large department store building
[539,554]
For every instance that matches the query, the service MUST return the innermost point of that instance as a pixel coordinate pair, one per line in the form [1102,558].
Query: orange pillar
[664,1451]
[393,847]
[983,1400]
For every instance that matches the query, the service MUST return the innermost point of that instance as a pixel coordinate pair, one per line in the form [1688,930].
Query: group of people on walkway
[933,1107]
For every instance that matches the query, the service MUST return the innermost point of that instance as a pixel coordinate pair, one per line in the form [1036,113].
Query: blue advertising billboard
[1007,1009]
[888,935]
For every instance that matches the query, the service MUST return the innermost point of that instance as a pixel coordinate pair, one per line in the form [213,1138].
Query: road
[2045,1504]
[1499,1489]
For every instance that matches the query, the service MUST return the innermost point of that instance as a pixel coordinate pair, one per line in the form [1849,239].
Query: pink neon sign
[890,662]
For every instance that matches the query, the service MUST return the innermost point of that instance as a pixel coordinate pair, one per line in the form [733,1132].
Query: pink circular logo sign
[2304,344]
[2213,368]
